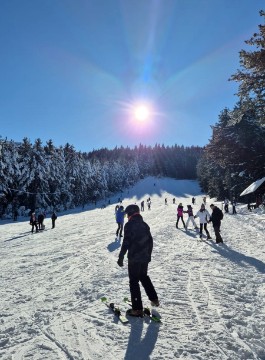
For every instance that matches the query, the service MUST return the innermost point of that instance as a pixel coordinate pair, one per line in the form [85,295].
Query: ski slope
[212,296]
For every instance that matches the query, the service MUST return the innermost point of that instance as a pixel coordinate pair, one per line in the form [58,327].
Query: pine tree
[251,75]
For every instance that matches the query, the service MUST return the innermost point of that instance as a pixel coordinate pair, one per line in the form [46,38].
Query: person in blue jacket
[119,220]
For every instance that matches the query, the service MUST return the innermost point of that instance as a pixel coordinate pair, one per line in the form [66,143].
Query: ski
[147,312]
[115,309]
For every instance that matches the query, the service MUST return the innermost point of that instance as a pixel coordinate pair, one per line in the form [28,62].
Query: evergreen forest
[43,176]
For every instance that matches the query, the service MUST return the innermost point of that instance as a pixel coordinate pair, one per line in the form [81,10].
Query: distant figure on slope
[174,200]
[40,221]
[234,206]
[204,200]
[226,203]
[193,200]
[149,203]
[33,222]
[15,215]
[165,201]
[142,205]
[138,242]
[204,217]
[216,217]
[190,217]
[54,217]
[180,215]
[120,220]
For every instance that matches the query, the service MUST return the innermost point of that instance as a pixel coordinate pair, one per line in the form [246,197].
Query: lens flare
[141,112]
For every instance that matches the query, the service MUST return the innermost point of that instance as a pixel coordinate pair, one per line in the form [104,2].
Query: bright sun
[141,112]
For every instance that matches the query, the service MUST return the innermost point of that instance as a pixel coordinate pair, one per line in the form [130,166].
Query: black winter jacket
[137,240]
[216,216]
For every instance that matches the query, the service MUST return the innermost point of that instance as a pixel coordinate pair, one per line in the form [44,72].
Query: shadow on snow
[139,348]
[114,245]
[237,257]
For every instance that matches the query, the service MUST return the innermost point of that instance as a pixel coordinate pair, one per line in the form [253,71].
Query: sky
[77,71]
[212,295]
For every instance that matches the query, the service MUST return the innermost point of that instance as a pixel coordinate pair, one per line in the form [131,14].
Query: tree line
[235,155]
[48,177]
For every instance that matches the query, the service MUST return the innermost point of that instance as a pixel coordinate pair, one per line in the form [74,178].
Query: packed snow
[212,295]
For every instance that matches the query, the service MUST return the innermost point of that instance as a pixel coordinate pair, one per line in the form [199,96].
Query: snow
[212,295]
[253,187]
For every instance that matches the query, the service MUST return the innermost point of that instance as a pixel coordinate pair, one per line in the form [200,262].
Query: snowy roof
[253,187]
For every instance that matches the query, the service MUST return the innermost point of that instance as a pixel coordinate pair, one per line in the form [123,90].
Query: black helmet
[132,209]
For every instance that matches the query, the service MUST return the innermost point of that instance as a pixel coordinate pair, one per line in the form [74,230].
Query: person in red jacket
[180,215]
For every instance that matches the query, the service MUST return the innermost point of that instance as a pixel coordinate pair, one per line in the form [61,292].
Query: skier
[204,217]
[120,220]
[54,217]
[226,202]
[180,215]
[216,217]
[138,242]
[40,221]
[190,217]
[234,206]
[149,203]
[33,222]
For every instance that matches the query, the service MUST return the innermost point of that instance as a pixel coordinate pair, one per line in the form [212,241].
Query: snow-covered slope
[212,296]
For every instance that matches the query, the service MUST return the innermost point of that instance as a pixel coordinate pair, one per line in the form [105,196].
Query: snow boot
[136,313]
[155,302]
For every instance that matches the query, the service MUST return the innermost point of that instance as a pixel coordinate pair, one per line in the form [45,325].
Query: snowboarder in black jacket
[216,217]
[138,242]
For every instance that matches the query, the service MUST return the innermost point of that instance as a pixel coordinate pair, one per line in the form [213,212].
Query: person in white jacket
[204,217]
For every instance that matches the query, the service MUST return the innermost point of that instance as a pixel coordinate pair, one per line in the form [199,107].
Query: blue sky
[74,70]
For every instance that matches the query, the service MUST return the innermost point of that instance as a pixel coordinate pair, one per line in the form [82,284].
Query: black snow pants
[204,226]
[138,272]
[119,230]
[177,223]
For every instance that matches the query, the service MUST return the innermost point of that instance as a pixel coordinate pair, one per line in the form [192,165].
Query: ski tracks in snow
[212,296]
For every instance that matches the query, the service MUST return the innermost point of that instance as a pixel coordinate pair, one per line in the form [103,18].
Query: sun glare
[141,112]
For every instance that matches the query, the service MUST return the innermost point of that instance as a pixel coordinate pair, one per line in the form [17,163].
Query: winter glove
[120,261]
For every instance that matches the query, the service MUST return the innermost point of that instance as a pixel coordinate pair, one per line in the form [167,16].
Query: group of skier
[204,218]
[37,221]
[138,243]
[226,205]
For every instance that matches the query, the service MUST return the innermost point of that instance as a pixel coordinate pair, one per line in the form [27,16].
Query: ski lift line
[34,193]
